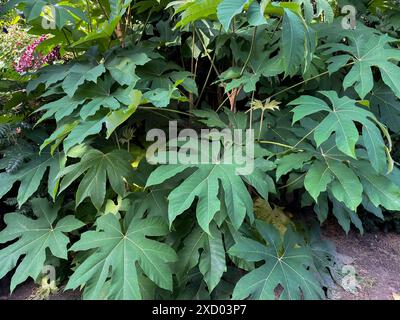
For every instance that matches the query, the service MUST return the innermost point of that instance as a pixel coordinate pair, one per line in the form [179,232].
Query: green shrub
[323,102]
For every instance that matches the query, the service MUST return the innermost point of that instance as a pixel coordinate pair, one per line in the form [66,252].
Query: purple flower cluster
[29,61]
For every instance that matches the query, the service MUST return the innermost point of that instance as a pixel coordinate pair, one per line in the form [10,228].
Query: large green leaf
[81,131]
[367,50]
[97,167]
[386,106]
[298,43]
[80,73]
[34,237]
[290,162]
[347,182]
[59,109]
[293,38]
[212,262]
[196,10]
[115,118]
[111,270]
[189,254]
[122,66]
[380,190]
[345,216]
[207,177]
[49,75]
[227,9]
[204,184]
[317,179]
[341,119]
[31,174]
[288,263]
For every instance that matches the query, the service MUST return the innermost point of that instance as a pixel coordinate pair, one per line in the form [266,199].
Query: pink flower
[31,61]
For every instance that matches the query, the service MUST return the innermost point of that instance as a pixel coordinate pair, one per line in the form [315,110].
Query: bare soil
[27,291]
[376,260]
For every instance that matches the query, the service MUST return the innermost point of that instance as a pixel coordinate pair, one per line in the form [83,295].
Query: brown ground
[27,292]
[374,256]
[376,259]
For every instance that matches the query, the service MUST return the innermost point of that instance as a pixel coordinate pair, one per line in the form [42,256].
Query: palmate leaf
[74,130]
[386,106]
[345,216]
[288,262]
[34,237]
[212,262]
[291,162]
[207,177]
[82,130]
[206,251]
[48,75]
[80,73]
[204,184]
[31,174]
[154,202]
[345,181]
[71,76]
[97,167]
[227,119]
[341,119]
[123,65]
[59,109]
[379,189]
[118,251]
[324,255]
[163,79]
[366,50]
[115,118]
[99,95]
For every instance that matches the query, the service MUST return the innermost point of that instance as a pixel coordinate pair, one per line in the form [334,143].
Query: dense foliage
[323,101]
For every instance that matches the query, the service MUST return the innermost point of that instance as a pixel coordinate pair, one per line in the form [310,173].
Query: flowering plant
[13,41]
[32,61]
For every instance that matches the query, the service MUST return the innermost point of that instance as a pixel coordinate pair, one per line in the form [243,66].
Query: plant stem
[144,27]
[116,139]
[293,182]
[192,65]
[166,110]
[222,104]
[304,81]
[102,9]
[250,52]
[69,42]
[89,15]
[276,143]
[208,74]
[207,54]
